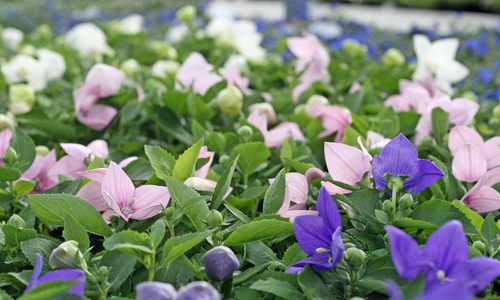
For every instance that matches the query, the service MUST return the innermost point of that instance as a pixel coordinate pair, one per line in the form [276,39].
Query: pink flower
[196,72]
[274,138]
[483,197]
[128,202]
[296,191]
[5,136]
[375,140]
[102,81]
[333,119]
[203,171]
[38,172]
[345,164]
[414,94]
[233,77]
[92,191]
[73,163]
[311,54]
[472,156]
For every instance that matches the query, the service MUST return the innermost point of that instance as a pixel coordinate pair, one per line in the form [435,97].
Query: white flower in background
[438,59]
[312,103]
[12,37]
[177,33]
[53,64]
[25,68]
[165,68]
[131,24]
[7,121]
[88,40]
[237,61]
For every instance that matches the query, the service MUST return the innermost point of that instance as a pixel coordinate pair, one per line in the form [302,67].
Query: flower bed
[194,158]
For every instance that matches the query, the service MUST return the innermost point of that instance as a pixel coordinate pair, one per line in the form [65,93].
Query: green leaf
[23,187]
[293,254]
[388,121]
[200,111]
[55,129]
[185,165]
[176,246]
[473,216]
[258,230]
[181,194]
[75,231]
[275,194]
[258,253]
[490,232]
[121,265]
[131,242]
[277,287]
[176,101]
[365,202]
[252,155]
[39,245]
[162,161]
[9,174]
[297,165]
[244,293]
[223,184]
[217,142]
[354,101]
[14,236]
[51,208]
[244,218]
[158,232]
[313,285]
[249,272]
[48,290]
[139,170]
[25,149]
[410,223]
[440,123]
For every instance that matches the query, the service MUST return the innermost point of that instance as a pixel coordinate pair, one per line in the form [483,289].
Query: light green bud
[405,201]
[393,58]
[186,13]
[28,49]
[44,32]
[214,218]
[470,95]
[387,206]
[6,121]
[42,150]
[163,49]
[300,110]
[245,132]
[479,246]
[230,100]
[130,67]
[494,123]
[63,257]
[103,273]
[223,158]
[354,48]
[10,155]
[22,98]
[17,222]
[114,26]
[355,256]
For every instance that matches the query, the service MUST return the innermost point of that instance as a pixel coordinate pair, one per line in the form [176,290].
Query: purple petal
[310,234]
[394,290]
[220,263]
[458,289]
[155,290]
[405,252]
[425,173]
[482,271]
[67,275]
[337,248]
[36,273]
[199,290]
[328,211]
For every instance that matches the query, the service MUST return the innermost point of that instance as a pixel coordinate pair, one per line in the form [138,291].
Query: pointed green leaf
[277,287]
[25,149]
[176,246]
[162,161]
[158,232]
[223,184]
[313,285]
[181,194]
[258,230]
[275,194]
[9,174]
[75,231]
[185,165]
[14,236]
[252,155]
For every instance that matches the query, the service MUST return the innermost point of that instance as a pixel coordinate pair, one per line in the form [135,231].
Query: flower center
[441,276]
[127,209]
[322,250]
[22,72]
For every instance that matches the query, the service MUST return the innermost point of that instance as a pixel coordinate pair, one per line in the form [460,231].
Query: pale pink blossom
[375,140]
[233,77]
[38,172]
[5,136]
[312,103]
[275,137]
[266,109]
[482,197]
[196,73]
[333,119]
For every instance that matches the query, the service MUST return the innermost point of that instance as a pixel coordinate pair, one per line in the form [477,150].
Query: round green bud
[354,48]
[494,122]
[42,150]
[393,58]
[230,100]
[355,256]
[10,155]
[406,201]
[300,110]
[470,95]
[223,158]
[22,98]
[6,121]
[44,32]
[186,13]
[63,257]
[163,49]
[214,218]
[387,206]
[245,132]
[130,67]
[426,140]
[496,111]
[103,273]
[169,212]
[479,246]
[28,49]
[17,222]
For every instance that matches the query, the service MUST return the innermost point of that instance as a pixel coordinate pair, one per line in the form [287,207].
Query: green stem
[394,198]
[152,268]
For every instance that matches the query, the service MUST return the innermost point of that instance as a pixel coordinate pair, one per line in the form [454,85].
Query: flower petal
[482,271]
[155,290]
[310,234]
[424,174]
[68,166]
[117,188]
[468,163]
[328,211]
[36,272]
[91,192]
[405,252]
[66,275]
[98,116]
[150,195]
[459,135]
[99,148]
[491,152]
[345,163]
[76,150]
[482,200]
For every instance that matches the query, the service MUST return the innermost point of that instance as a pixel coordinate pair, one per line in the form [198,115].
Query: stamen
[322,250]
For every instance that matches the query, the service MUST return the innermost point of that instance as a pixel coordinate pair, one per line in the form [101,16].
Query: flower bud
[264,109]
[6,121]
[405,201]
[198,290]
[470,95]
[186,13]
[494,122]
[22,98]
[230,100]
[42,150]
[220,263]
[426,140]
[63,257]
[214,218]
[245,132]
[199,184]
[165,68]
[10,155]
[103,273]
[393,58]
[300,109]
[130,67]
[382,216]
[355,256]
[223,158]
[387,206]
[479,246]
[163,49]
[44,32]
[28,49]
[17,222]
[354,48]
[313,102]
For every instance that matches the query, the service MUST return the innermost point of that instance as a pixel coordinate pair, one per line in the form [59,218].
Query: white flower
[53,64]
[164,68]
[177,33]
[25,68]
[131,24]
[265,109]
[438,59]
[12,37]
[88,40]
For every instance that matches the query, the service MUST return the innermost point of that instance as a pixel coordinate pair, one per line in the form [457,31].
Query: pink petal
[460,135]
[76,151]
[107,214]
[303,47]
[259,121]
[299,89]
[233,77]
[147,196]
[126,161]
[333,119]
[96,175]
[105,80]
[35,169]
[314,173]
[491,177]
[483,200]
[146,213]
[491,152]
[334,189]
[354,87]
[5,136]
[117,188]
[99,148]
[292,214]
[205,82]
[196,71]
[469,163]
[399,103]
[91,192]
[462,111]
[203,171]
[346,163]
[68,166]
[98,116]
[275,137]
[298,187]
[83,99]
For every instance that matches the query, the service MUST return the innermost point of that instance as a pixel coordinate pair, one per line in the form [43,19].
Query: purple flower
[443,261]
[400,158]
[199,290]
[319,236]
[220,263]
[455,290]
[67,275]
[155,290]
